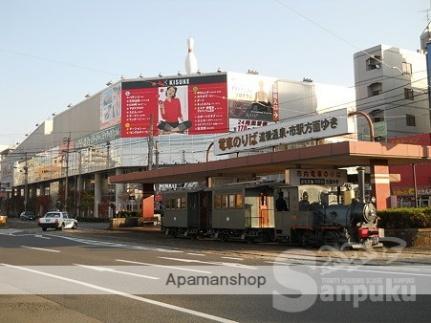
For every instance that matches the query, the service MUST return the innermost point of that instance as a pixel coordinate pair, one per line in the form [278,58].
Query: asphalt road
[23,246]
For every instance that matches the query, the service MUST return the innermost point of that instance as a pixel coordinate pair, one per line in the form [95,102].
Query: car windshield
[52,215]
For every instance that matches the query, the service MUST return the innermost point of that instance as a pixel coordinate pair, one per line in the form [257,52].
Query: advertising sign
[192,105]
[110,106]
[334,123]
[99,137]
[332,177]
[253,98]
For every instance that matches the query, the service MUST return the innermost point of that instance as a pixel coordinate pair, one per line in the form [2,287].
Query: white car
[57,220]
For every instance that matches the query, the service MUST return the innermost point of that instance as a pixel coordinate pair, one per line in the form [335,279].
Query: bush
[92,220]
[405,218]
[126,214]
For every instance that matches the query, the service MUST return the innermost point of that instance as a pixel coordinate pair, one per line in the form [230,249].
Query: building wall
[394,79]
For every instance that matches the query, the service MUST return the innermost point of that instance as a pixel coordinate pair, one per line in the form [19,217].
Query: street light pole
[66,186]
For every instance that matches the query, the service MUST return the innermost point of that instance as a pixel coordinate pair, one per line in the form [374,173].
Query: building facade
[139,124]
[391,86]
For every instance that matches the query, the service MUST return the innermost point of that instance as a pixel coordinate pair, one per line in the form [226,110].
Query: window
[231,201]
[408,94]
[374,62]
[217,203]
[377,115]
[375,89]
[407,68]
[410,120]
[239,201]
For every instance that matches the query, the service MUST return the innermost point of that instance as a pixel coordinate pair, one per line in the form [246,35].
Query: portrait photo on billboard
[110,107]
[173,110]
[252,97]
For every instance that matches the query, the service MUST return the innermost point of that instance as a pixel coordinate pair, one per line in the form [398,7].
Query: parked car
[57,220]
[27,216]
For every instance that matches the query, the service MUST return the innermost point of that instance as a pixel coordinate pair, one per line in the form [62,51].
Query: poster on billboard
[110,106]
[251,97]
[185,105]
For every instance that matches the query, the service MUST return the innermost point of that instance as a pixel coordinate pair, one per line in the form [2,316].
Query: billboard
[110,107]
[325,125]
[181,105]
[253,101]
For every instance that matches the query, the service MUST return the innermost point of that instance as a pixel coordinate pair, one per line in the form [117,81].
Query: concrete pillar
[97,193]
[148,200]
[119,191]
[380,182]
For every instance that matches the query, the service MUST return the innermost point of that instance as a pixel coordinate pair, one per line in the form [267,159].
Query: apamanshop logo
[333,275]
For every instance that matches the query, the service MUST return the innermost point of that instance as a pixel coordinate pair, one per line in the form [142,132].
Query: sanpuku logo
[302,286]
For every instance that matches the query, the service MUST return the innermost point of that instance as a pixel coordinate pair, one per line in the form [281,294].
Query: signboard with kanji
[327,177]
[331,124]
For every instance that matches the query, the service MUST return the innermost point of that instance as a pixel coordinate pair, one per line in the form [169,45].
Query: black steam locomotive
[306,215]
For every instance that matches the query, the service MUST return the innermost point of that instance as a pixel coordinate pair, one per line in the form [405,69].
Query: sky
[52,53]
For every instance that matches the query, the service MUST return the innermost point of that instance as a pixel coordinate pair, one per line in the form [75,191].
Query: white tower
[191,61]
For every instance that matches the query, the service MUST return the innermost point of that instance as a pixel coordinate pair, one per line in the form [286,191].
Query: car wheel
[75,226]
[44,229]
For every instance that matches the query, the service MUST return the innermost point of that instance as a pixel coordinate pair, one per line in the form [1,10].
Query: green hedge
[126,214]
[405,218]
[92,220]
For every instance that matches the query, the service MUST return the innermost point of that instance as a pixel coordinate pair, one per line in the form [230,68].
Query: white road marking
[41,249]
[227,264]
[233,258]
[127,295]
[163,266]
[41,237]
[113,244]
[111,270]
[8,232]
[195,254]
[277,263]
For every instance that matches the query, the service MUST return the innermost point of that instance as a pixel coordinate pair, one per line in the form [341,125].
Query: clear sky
[54,52]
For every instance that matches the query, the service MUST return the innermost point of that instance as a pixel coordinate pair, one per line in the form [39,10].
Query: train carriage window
[217,202]
[183,203]
[239,201]
[225,201]
[231,201]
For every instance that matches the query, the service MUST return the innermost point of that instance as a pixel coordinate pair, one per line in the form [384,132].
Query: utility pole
[78,186]
[25,182]
[66,186]
[150,144]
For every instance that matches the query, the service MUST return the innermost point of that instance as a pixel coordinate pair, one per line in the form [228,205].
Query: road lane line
[111,270]
[41,249]
[195,254]
[163,266]
[233,258]
[127,295]
[216,263]
[41,237]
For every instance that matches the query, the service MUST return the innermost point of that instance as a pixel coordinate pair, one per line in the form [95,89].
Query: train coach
[305,214]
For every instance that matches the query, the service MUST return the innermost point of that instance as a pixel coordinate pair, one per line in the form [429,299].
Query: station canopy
[332,155]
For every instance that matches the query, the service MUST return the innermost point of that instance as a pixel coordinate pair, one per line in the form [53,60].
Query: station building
[137,124]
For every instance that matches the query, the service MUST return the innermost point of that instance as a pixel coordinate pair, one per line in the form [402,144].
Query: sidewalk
[145,228]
